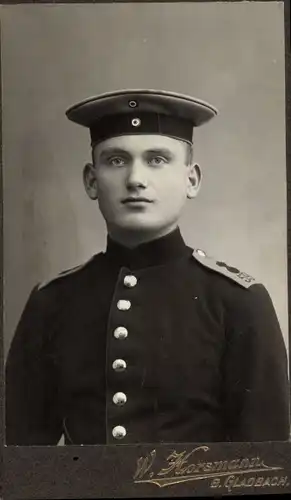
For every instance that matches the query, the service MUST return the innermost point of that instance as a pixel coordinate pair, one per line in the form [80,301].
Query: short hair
[189,154]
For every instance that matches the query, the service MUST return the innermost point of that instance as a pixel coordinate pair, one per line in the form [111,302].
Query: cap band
[141,123]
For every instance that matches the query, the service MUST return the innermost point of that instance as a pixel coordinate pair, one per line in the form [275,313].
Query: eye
[158,160]
[116,161]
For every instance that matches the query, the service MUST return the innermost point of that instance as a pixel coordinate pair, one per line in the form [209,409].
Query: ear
[194,180]
[90,181]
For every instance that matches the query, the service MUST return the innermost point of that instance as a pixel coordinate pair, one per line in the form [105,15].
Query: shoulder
[48,298]
[223,269]
[68,275]
[246,300]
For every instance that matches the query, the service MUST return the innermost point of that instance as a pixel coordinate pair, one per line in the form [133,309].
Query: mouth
[135,199]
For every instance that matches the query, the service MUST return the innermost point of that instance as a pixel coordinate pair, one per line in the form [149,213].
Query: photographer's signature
[181,467]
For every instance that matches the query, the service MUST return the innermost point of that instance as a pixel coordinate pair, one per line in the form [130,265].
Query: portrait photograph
[145,248]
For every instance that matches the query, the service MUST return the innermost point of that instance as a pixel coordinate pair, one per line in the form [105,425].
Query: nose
[136,176]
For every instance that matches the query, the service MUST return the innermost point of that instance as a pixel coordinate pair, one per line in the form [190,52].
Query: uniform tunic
[196,356]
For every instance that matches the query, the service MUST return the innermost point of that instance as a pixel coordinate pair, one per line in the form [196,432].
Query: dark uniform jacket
[193,344]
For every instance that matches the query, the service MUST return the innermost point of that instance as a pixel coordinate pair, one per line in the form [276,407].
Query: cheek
[174,186]
[107,186]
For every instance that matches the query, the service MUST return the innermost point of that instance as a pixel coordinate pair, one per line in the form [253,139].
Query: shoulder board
[243,279]
[63,274]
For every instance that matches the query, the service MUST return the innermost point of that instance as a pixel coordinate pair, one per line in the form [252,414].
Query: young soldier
[150,341]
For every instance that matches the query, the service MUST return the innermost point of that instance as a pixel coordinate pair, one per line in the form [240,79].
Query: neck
[132,239]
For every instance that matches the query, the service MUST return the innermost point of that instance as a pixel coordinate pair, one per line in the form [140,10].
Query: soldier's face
[141,181]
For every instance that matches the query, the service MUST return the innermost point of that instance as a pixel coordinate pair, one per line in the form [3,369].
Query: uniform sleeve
[255,368]
[31,389]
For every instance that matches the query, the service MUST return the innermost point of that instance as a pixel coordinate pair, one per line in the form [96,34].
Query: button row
[119,365]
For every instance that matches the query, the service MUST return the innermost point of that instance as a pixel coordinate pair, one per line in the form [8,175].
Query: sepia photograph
[145,285]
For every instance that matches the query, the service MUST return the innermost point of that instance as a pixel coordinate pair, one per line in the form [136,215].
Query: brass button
[119,398]
[119,432]
[120,332]
[130,281]
[123,305]
[119,365]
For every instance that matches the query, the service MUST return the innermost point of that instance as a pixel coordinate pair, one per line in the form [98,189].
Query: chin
[138,227]
[137,224]
[142,224]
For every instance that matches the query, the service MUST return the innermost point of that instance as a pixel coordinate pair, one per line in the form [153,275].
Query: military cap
[141,111]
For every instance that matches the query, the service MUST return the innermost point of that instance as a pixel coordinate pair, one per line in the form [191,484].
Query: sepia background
[230,54]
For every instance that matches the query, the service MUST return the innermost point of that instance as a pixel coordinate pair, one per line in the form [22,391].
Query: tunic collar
[157,252]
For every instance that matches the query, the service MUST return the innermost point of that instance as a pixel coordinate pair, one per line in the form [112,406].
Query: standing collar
[156,252]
